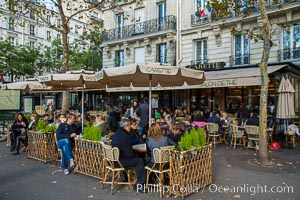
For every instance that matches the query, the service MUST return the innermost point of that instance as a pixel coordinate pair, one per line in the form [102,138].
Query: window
[58,36]
[291,42]
[94,16]
[200,52]
[161,55]
[139,17]
[48,36]
[11,40]
[31,29]
[241,50]
[32,15]
[76,29]
[11,24]
[162,13]
[200,5]
[139,55]
[58,23]
[119,58]
[48,18]
[31,44]
[120,25]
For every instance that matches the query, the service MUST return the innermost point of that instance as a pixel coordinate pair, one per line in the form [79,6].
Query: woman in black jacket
[19,133]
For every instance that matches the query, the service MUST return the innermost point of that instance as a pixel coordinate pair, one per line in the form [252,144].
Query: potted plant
[92,133]
[192,139]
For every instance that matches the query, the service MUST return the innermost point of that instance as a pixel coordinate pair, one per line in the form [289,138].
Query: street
[235,176]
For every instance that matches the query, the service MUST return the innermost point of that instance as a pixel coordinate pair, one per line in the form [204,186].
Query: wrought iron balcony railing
[240,59]
[288,54]
[143,28]
[243,8]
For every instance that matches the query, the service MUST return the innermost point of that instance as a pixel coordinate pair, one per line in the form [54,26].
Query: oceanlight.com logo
[251,189]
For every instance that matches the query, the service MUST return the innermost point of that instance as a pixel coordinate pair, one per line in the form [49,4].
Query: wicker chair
[160,167]
[213,134]
[253,136]
[59,153]
[114,169]
[236,137]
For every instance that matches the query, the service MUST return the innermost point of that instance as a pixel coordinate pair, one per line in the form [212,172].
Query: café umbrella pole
[150,100]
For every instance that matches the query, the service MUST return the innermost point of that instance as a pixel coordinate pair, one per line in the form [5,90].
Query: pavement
[236,175]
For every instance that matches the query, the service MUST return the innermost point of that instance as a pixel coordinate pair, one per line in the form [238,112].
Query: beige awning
[220,78]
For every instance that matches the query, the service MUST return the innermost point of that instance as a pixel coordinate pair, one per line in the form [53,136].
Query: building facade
[139,32]
[197,40]
[31,31]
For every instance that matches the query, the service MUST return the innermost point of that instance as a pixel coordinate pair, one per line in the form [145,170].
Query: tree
[263,33]
[18,60]
[65,11]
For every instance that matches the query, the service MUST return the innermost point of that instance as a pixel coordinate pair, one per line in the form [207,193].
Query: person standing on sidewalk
[65,132]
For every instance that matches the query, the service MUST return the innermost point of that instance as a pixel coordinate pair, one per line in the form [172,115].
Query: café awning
[219,78]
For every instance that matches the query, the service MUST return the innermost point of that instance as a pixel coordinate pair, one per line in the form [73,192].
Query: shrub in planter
[50,128]
[192,139]
[40,125]
[92,133]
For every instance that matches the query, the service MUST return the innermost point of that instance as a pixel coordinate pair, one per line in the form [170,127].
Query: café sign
[208,66]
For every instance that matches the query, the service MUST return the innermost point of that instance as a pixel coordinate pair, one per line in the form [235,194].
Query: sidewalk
[28,179]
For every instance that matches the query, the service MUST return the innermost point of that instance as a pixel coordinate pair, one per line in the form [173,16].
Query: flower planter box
[88,158]
[191,170]
[42,146]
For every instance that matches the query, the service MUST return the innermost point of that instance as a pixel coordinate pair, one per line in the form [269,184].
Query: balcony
[240,59]
[242,9]
[288,54]
[143,28]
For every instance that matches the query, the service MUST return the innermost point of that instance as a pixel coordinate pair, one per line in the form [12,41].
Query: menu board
[10,99]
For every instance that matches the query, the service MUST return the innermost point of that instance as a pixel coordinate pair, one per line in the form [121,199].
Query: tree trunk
[266,31]
[66,101]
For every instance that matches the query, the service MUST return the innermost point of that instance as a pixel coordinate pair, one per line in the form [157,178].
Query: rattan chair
[59,153]
[253,136]
[213,134]
[160,168]
[114,169]
[237,139]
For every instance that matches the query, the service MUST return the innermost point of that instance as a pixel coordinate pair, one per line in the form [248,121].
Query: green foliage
[50,128]
[92,133]
[18,60]
[185,141]
[40,125]
[194,138]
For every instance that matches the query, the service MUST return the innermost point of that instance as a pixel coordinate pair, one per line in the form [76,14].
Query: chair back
[252,131]
[162,155]
[212,127]
[234,129]
[110,153]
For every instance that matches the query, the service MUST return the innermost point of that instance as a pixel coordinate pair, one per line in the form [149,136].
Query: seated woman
[19,133]
[155,140]
[134,131]
[102,124]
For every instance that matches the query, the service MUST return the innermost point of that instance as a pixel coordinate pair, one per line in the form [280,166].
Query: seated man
[122,140]
[65,132]
[175,135]
[216,120]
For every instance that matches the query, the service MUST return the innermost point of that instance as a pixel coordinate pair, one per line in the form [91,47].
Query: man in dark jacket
[215,118]
[122,140]
[143,112]
[65,132]
[253,120]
